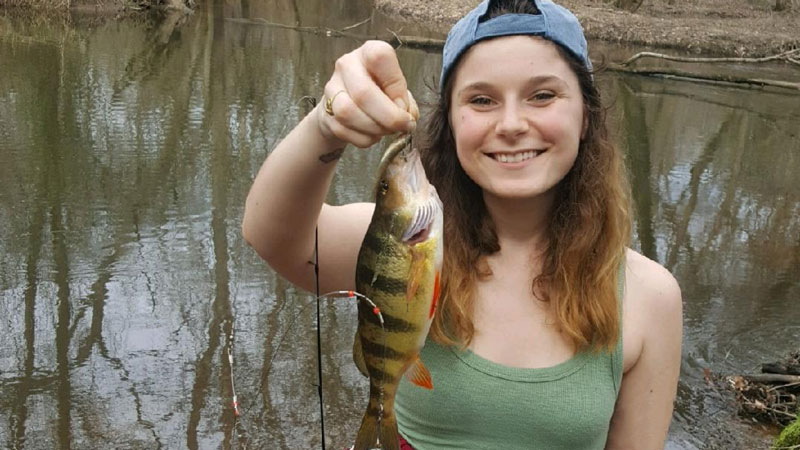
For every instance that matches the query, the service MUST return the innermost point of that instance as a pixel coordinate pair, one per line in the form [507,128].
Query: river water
[126,152]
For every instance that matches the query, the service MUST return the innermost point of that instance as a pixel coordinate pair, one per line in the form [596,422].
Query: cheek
[565,127]
[468,130]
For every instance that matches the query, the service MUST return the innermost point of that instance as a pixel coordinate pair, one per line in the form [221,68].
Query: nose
[512,121]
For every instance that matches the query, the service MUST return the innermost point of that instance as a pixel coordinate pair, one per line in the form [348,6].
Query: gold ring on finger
[329,103]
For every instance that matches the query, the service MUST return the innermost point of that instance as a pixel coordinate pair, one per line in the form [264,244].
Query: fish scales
[398,269]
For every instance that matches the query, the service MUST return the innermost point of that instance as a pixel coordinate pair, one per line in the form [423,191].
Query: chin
[516,192]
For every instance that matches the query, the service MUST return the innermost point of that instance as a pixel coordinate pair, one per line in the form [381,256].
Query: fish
[398,269]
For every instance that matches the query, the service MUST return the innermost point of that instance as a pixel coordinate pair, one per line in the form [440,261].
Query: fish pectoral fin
[437,289]
[358,356]
[415,272]
[419,374]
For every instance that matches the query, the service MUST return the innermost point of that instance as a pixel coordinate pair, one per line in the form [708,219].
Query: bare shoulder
[649,285]
[652,308]
[652,332]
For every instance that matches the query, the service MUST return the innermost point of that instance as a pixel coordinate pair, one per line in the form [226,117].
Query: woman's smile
[515,158]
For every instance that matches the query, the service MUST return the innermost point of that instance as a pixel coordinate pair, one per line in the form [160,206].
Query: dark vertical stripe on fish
[381,350]
[388,285]
[374,243]
[378,375]
[392,324]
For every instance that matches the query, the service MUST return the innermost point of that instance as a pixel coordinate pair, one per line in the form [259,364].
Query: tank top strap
[617,355]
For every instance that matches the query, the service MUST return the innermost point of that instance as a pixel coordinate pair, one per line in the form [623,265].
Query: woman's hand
[368,97]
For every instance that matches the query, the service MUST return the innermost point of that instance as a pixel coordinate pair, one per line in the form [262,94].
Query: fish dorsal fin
[419,374]
[358,355]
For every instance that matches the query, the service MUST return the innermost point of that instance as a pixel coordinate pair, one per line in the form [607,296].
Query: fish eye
[384,187]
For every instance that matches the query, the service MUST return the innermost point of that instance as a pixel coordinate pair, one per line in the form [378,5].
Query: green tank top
[478,404]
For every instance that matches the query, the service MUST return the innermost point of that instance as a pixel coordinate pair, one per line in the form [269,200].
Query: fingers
[372,68]
[339,117]
[413,108]
[369,97]
[381,62]
[348,135]
[350,114]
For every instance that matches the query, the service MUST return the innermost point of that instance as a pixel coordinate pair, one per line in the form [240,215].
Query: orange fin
[419,374]
[414,273]
[436,291]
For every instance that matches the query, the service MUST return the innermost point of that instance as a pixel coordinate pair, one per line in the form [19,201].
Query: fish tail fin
[369,433]
[375,429]
[390,439]
[367,437]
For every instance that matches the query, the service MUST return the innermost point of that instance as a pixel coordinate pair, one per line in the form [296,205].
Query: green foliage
[789,438]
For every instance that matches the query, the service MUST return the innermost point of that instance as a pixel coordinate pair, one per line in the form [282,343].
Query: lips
[515,157]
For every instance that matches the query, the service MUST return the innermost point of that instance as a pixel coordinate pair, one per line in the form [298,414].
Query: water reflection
[126,151]
[717,205]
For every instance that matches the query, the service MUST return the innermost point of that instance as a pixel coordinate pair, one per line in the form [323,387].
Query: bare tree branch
[785,56]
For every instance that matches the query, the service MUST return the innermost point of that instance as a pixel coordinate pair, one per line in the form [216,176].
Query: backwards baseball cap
[554,22]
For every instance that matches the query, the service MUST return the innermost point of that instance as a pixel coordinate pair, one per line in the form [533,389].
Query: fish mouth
[422,223]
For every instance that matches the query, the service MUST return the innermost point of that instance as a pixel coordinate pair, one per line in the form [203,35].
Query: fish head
[404,197]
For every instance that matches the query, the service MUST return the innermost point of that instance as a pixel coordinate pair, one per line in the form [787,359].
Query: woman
[539,289]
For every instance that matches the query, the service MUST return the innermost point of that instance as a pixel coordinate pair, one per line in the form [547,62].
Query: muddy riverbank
[714,27]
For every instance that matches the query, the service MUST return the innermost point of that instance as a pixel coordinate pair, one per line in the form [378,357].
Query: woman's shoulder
[652,306]
[649,283]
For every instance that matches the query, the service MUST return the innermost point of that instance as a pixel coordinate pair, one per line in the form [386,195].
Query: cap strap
[512,24]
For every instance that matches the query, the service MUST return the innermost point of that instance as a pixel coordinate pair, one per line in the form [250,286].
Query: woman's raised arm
[365,99]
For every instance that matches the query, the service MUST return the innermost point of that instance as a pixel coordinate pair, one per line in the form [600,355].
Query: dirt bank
[713,27]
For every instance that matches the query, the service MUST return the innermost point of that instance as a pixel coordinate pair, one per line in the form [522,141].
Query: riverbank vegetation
[109,8]
[752,28]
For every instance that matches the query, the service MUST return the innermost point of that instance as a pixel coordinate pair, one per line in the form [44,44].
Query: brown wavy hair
[589,226]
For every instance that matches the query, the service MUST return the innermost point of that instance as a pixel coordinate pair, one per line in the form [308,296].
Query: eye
[480,101]
[543,96]
[384,187]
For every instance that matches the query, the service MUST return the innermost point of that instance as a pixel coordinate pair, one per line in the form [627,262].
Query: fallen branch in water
[788,56]
[769,397]
[719,79]
[773,378]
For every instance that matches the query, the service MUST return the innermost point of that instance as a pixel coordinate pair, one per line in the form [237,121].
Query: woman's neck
[521,224]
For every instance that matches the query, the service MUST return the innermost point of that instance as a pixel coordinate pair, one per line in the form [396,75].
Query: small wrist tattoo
[331,156]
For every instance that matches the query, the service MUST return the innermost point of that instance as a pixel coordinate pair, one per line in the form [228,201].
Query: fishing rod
[347,294]
[319,339]
[311,103]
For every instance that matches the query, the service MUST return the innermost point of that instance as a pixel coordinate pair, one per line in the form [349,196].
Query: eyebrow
[483,85]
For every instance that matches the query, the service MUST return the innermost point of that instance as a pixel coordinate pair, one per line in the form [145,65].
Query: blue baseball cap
[554,22]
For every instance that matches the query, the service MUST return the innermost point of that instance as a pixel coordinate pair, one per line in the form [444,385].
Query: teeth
[515,157]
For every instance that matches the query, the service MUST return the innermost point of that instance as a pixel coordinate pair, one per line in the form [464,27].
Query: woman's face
[517,116]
